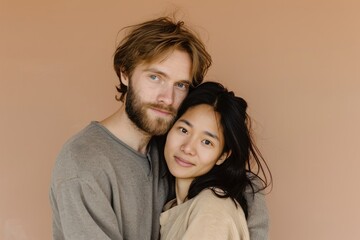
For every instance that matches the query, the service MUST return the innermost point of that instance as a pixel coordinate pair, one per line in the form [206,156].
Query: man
[108,182]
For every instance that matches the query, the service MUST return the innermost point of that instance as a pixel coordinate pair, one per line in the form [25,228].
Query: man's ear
[223,157]
[124,78]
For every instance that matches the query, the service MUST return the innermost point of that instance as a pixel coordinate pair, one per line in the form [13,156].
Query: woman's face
[195,143]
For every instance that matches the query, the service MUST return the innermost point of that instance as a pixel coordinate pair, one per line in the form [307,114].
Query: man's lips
[183,162]
[162,111]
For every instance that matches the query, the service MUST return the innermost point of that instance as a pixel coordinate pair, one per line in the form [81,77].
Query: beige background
[297,63]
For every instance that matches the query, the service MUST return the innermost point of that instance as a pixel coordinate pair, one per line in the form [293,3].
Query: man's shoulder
[86,136]
[79,153]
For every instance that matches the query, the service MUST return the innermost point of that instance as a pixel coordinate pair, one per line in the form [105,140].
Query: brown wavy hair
[151,40]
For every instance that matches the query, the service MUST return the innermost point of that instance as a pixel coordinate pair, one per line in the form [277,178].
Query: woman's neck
[182,189]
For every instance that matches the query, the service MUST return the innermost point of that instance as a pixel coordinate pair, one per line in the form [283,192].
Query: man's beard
[136,111]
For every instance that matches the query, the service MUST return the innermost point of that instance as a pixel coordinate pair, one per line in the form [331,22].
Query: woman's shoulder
[211,200]
[212,194]
[221,215]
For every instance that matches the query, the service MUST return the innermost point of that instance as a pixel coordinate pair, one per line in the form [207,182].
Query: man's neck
[123,128]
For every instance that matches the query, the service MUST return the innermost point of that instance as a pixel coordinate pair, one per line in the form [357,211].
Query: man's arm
[81,210]
[258,218]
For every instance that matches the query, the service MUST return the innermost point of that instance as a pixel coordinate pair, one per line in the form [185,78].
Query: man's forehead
[159,65]
[162,57]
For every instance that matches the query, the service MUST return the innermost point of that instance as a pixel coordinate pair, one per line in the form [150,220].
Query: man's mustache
[162,107]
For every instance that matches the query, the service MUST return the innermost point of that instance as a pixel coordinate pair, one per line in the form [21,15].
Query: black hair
[245,169]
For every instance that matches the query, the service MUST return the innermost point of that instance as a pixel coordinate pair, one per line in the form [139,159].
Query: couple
[112,179]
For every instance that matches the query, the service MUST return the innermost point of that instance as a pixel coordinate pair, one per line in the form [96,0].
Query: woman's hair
[154,39]
[244,169]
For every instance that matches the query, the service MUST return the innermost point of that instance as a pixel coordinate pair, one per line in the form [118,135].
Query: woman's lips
[183,162]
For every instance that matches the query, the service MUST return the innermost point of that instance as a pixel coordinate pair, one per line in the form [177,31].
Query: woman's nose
[188,148]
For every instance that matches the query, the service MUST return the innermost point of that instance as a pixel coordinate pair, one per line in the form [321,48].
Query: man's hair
[151,40]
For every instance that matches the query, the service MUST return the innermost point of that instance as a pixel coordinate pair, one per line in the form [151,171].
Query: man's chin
[161,128]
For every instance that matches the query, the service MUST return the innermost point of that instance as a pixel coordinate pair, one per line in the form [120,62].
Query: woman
[210,155]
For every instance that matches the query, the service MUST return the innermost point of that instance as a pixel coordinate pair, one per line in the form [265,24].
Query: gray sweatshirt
[103,189]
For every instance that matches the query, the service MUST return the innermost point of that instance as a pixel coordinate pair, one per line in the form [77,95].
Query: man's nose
[166,94]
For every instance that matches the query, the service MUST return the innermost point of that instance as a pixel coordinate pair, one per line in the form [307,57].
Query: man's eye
[182,85]
[154,77]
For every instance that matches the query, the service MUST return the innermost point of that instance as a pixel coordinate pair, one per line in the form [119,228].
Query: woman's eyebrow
[186,122]
[210,134]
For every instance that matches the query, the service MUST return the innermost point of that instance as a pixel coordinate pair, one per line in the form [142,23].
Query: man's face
[156,90]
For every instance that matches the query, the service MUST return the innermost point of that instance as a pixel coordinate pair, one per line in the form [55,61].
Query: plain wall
[297,63]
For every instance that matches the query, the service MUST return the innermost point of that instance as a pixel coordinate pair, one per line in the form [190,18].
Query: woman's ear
[124,78]
[223,157]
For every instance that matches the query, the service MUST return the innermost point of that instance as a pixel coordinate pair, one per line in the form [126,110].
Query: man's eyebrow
[157,71]
[206,132]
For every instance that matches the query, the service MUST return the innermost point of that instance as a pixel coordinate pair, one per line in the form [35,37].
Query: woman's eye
[207,142]
[183,130]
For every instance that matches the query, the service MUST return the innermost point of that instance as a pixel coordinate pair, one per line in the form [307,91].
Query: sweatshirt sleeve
[258,218]
[81,210]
